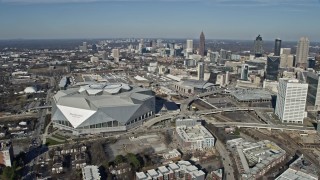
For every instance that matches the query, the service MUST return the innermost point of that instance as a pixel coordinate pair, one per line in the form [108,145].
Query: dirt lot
[151,142]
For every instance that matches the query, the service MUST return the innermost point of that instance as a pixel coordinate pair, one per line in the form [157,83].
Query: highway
[186,102]
[153,121]
[265,126]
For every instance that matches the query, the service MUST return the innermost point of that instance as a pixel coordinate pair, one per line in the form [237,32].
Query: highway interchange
[185,112]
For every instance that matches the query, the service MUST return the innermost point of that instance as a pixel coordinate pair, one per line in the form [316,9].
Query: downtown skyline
[219,19]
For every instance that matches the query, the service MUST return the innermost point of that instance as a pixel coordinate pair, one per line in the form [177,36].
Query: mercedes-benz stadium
[97,108]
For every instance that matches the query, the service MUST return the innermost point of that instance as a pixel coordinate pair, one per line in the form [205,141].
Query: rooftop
[90,172]
[194,133]
[195,84]
[255,156]
[250,94]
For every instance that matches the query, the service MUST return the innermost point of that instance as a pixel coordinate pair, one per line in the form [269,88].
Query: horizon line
[21,39]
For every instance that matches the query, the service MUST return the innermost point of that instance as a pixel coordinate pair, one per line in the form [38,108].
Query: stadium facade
[97,108]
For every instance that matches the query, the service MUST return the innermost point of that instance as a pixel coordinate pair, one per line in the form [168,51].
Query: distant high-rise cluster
[202,45]
[258,48]
[302,52]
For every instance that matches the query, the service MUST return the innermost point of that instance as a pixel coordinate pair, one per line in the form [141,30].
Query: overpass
[231,109]
[187,102]
[155,120]
[265,126]
[40,107]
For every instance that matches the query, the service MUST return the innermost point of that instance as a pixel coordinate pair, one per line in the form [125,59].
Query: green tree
[8,173]
[119,159]
[133,160]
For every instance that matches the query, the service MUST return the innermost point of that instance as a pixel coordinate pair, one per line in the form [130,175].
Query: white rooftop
[90,173]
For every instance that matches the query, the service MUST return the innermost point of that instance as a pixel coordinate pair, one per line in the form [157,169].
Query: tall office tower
[277,47]
[84,44]
[311,62]
[244,72]
[291,100]
[286,61]
[317,58]
[228,55]
[200,71]
[84,47]
[153,44]
[202,44]
[223,54]
[189,48]
[115,55]
[272,71]
[302,52]
[141,45]
[214,57]
[286,51]
[258,49]
[313,97]
[159,43]
[94,48]
[227,77]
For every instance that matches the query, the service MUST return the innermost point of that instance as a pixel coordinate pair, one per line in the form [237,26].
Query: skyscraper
[286,61]
[202,44]
[313,97]
[189,48]
[84,47]
[244,72]
[291,100]
[302,52]
[223,54]
[200,71]
[286,51]
[116,55]
[277,47]
[258,49]
[141,45]
[272,71]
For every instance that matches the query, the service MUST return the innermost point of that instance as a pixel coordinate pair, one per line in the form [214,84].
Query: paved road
[226,161]
[152,121]
[37,137]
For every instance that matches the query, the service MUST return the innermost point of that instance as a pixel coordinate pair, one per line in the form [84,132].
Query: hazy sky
[219,19]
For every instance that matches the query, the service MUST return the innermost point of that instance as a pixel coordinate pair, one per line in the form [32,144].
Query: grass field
[51,142]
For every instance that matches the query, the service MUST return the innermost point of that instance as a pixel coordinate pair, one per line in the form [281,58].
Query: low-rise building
[251,95]
[182,170]
[300,169]
[172,155]
[192,135]
[254,159]
[6,154]
[90,172]
[194,87]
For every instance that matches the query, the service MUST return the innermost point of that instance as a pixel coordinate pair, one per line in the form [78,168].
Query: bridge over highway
[40,107]
[155,120]
[266,126]
[187,102]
